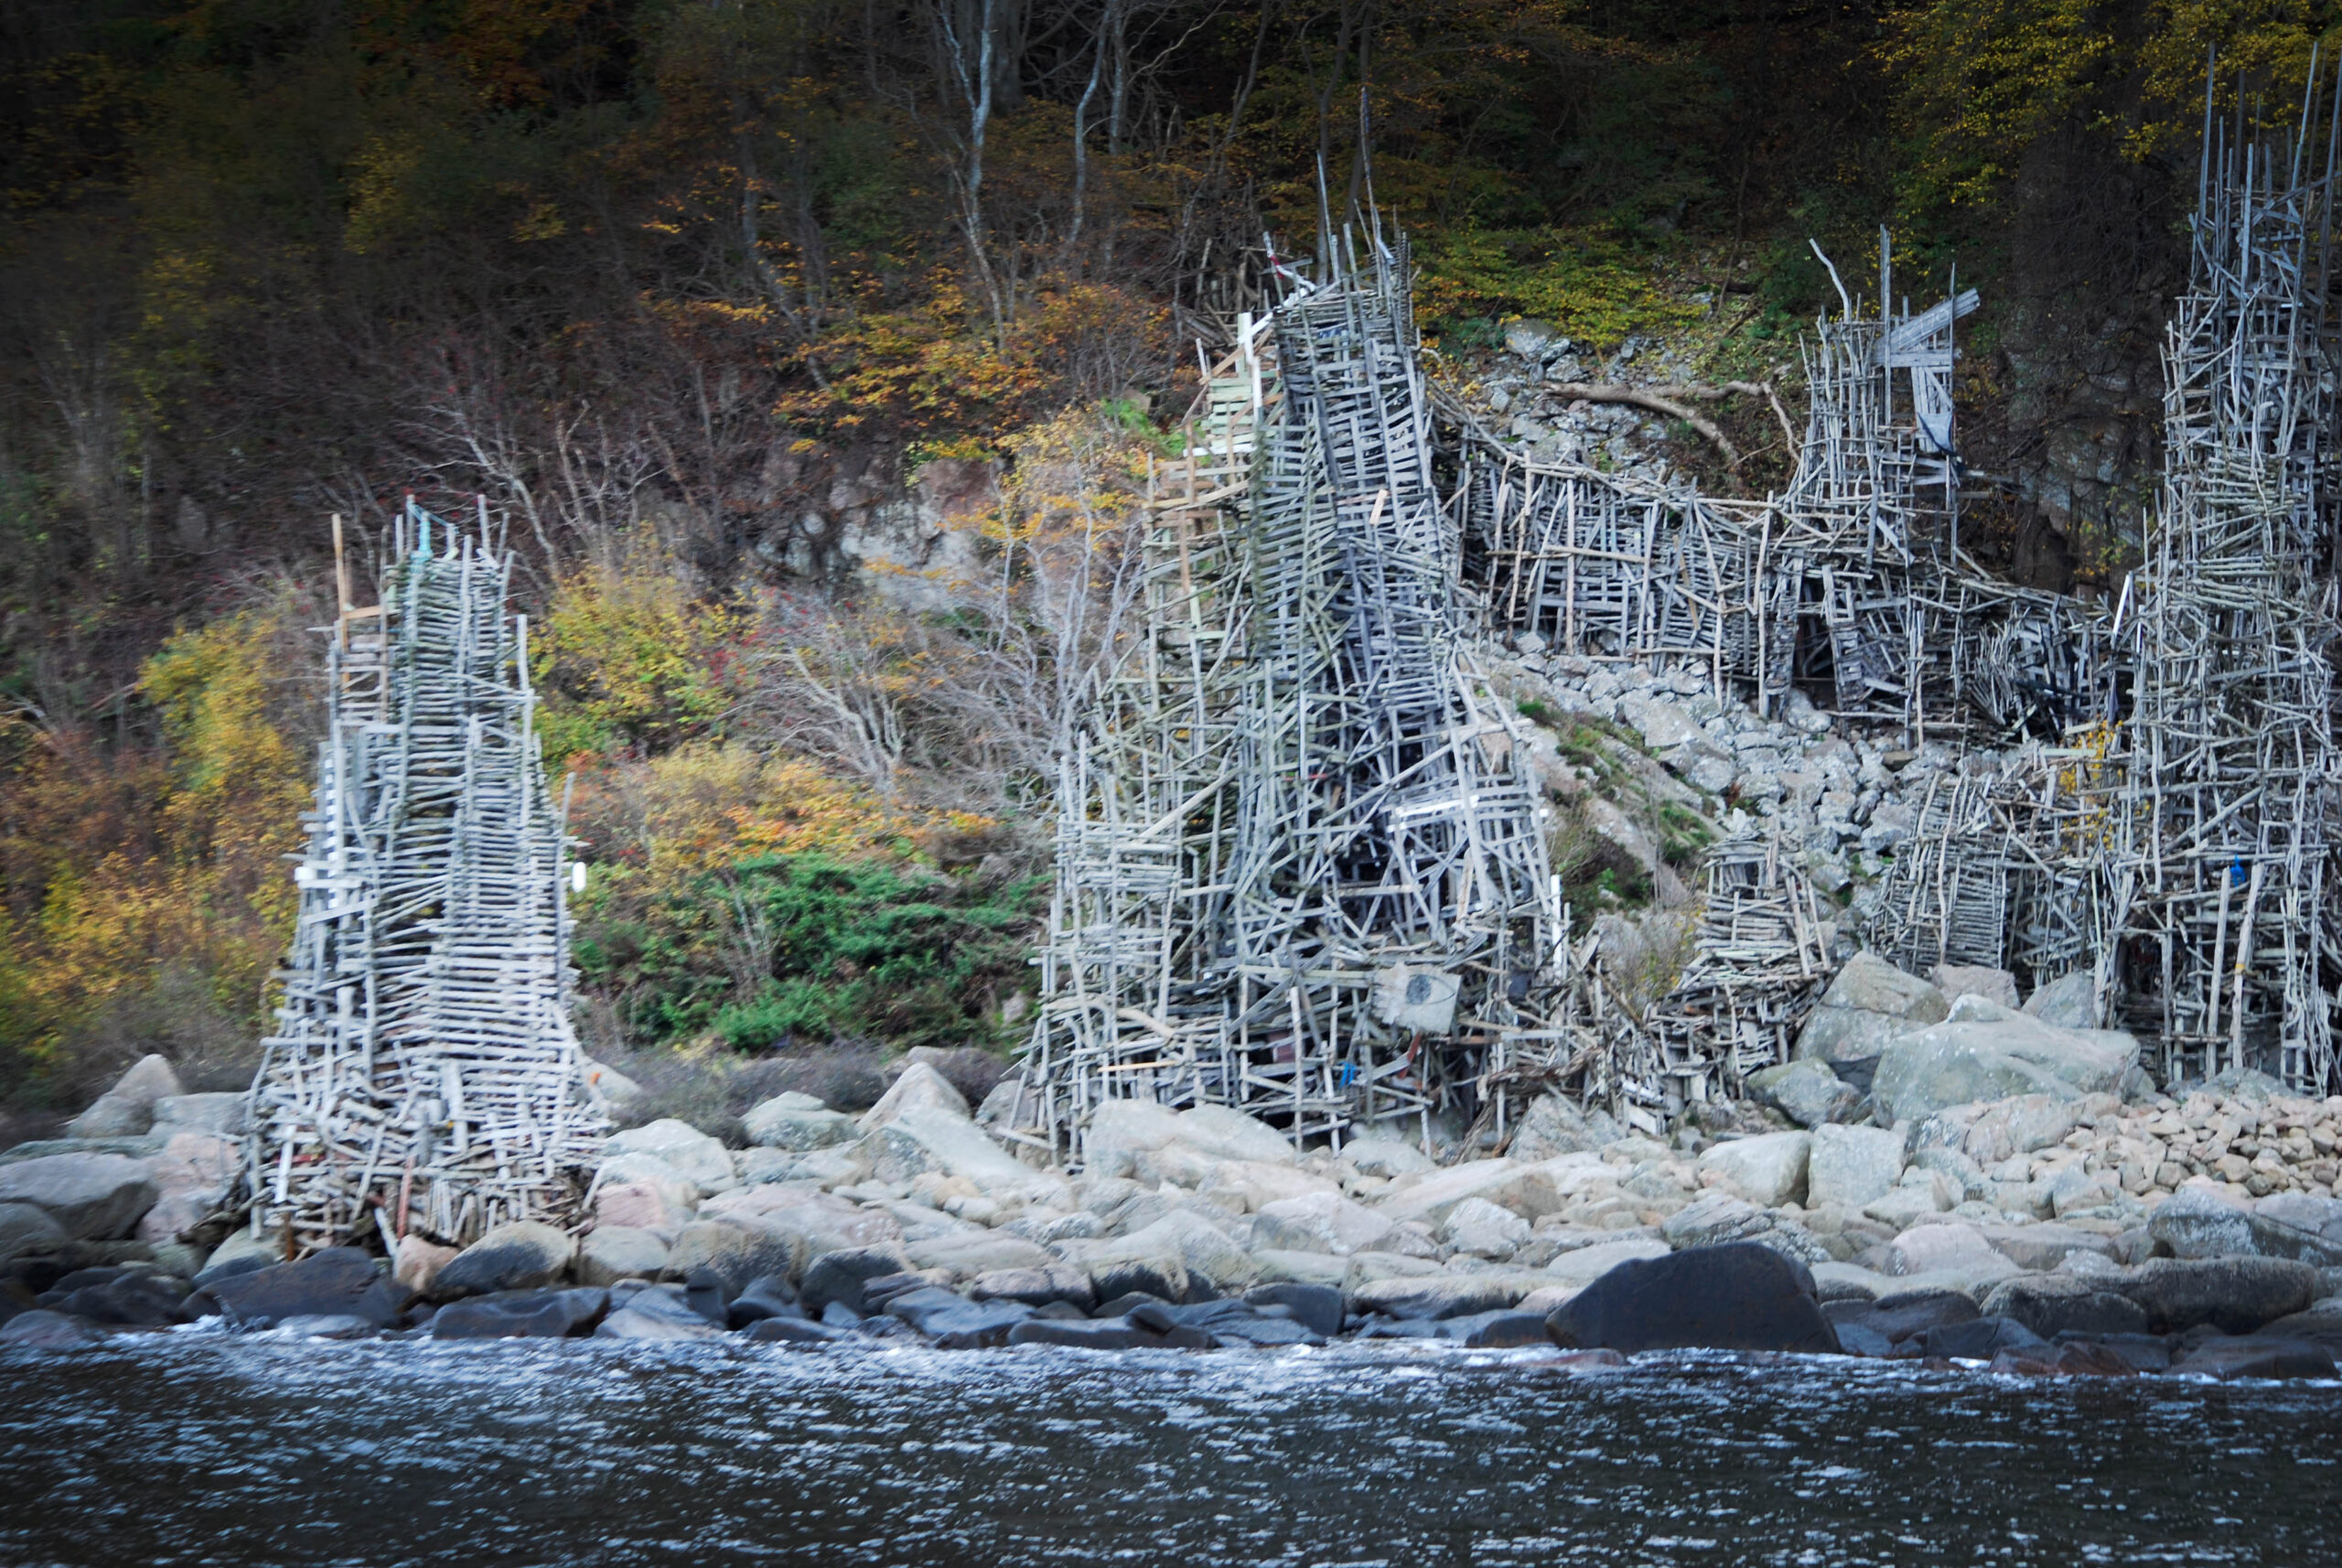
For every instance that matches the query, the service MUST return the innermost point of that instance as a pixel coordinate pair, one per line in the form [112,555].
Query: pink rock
[191,1175]
[419,1261]
[637,1206]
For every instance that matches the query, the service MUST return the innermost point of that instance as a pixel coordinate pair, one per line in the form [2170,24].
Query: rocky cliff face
[861,519]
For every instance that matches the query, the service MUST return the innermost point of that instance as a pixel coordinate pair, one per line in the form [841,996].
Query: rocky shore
[1938,1177]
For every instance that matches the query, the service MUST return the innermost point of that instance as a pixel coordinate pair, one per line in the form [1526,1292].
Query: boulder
[1585,1265]
[2235,1295]
[922,1139]
[2069,1002]
[1508,1331]
[25,1227]
[827,1223]
[1990,1132]
[1246,1185]
[838,1276]
[242,1252]
[1481,1228]
[975,1073]
[1895,1318]
[954,1322]
[769,1296]
[2257,1357]
[1853,1166]
[2198,1222]
[1434,1297]
[1036,1286]
[2051,1305]
[417,1262]
[2044,1246]
[42,1329]
[609,1088]
[1162,1276]
[686,1151]
[1120,1130]
[609,1253]
[1316,1307]
[93,1198]
[192,1175]
[1978,1339]
[1428,1197]
[1375,1154]
[735,1250]
[221,1115]
[127,1108]
[1768,1170]
[1984,1052]
[920,1090]
[1105,1334]
[1869,1003]
[1202,1247]
[1280,1267]
[521,1315]
[2297,1225]
[1947,1249]
[524,1255]
[659,1312]
[1552,1126]
[1805,1091]
[1232,1135]
[1320,1222]
[335,1281]
[120,1297]
[1737,1296]
[1997,986]
[966,1255]
[797,1121]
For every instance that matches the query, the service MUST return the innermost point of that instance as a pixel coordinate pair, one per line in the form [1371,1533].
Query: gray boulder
[657,1313]
[1481,1228]
[93,1198]
[2193,1223]
[1806,1090]
[1991,1132]
[1716,1217]
[2051,1305]
[1997,986]
[522,1314]
[1231,1135]
[1982,1052]
[609,1253]
[839,1276]
[25,1227]
[2298,1225]
[524,1255]
[1853,1166]
[333,1282]
[1768,1170]
[223,1115]
[921,1089]
[2235,1295]
[1434,1296]
[683,1148]
[1375,1154]
[1869,1003]
[1553,1125]
[797,1121]
[128,1108]
[735,1250]
[2068,1003]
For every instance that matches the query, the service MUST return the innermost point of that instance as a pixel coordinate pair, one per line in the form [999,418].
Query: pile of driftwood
[424,1075]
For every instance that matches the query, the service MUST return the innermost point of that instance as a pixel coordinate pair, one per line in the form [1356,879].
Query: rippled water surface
[201,1449]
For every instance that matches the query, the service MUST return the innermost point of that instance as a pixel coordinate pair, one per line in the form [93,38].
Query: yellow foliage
[710,803]
[627,662]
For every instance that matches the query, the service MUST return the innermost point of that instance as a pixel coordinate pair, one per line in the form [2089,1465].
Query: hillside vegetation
[676,288]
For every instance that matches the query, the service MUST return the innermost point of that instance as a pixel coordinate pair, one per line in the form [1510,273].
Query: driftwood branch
[1674,400]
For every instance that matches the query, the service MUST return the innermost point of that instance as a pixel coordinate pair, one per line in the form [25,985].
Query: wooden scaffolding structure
[1302,864]
[424,1075]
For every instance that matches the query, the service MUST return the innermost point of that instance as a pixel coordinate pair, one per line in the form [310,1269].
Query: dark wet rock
[2255,1356]
[338,1280]
[524,1255]
[92,1197]
[2051,1305]
[877,1292]
[2140,1352]
[2235,1295]
[1381,1327]
[329,1325]
[126,1298]
[1125,1304]
[2080,1358]
[1979,1339]
[522,1314]
[1317,1308]
[27,1227]
[1263,1330]
[1737,1296]
[659,1312]
[1101,1334]
[1861,1339]
[1895,1318]
[1427,1297]
[798,1331]
[954,1322]
[839,1276]
[44,1330]
[770,1297]
[1508,1331]
[704,1293]
[1162,1275]
[838,1314]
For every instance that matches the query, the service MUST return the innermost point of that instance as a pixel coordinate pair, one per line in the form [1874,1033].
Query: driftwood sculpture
[424,1075]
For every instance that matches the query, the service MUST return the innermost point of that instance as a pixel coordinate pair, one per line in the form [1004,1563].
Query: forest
[698,299]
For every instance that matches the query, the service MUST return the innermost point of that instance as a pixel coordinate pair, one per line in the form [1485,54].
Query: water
[200,1449]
